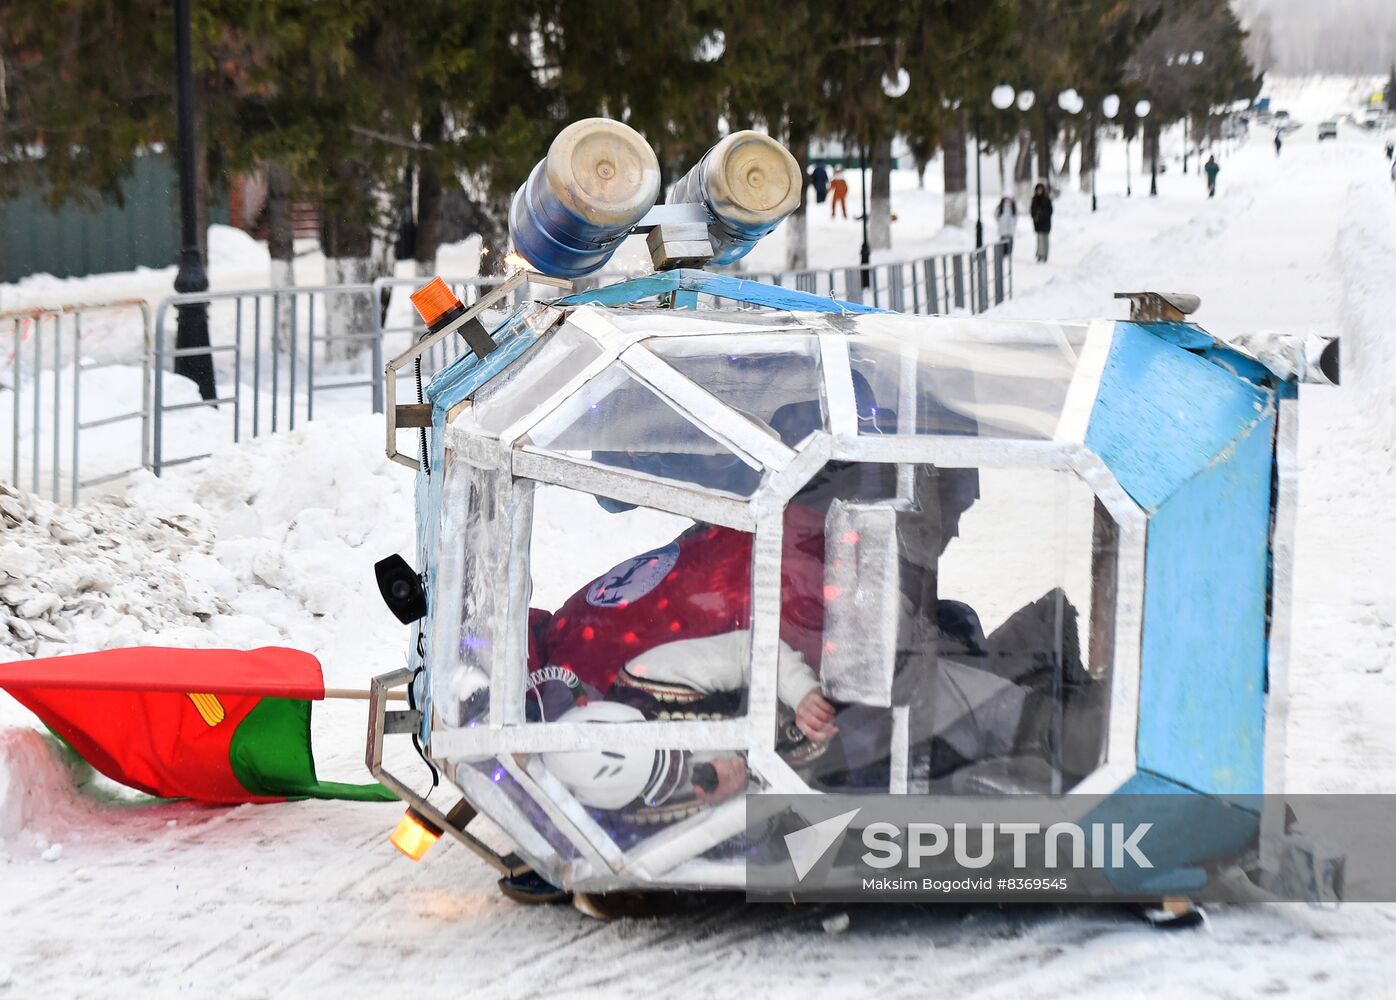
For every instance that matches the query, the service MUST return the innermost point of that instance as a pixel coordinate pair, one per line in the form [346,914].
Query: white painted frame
[671,857]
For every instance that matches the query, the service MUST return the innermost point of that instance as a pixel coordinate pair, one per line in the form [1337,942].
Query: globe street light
[1003,97]
[1025,100]
[896,84]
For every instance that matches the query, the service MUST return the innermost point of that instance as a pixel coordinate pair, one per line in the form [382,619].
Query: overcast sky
[1321,36]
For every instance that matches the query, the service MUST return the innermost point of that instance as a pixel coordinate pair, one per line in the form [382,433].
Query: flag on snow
[212,725]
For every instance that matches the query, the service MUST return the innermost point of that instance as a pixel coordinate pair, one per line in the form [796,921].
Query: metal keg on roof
[598,180]
[750,183]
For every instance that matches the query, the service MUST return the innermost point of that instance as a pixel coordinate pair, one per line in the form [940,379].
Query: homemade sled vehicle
[1012,556]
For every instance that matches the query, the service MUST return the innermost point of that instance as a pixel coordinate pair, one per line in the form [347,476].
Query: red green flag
[212,725]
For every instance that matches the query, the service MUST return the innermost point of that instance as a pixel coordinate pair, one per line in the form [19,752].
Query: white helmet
[611,779]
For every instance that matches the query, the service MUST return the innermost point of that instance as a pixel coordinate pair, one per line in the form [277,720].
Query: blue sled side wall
[1193,444]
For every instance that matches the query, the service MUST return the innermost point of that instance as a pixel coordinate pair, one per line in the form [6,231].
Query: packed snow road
[309,899]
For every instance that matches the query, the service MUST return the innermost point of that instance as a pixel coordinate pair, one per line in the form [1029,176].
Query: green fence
[72,241]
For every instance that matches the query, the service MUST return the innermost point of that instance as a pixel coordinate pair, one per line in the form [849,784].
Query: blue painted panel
[761,294]
[1193,338]
[1163,413]
[1238,364]
[1185,335]
[625,292]
[1188,831]
[1201,696]
[719,285]
[429,512]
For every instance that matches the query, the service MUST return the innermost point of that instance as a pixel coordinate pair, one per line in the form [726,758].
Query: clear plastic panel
[653,614]
[530,811]
[471,597]
[529,381]
[968,638]
[618,421]
[773,379]
[921,378]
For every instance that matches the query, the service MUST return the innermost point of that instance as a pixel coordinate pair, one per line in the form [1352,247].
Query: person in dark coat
[819,177]
[1212,169]
[1041,211]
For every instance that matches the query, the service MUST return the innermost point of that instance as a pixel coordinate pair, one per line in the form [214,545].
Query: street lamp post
[1110,107]
[978,184]
[865,254]
[1002,98]
[1141,111]
[192,326]
[894,85]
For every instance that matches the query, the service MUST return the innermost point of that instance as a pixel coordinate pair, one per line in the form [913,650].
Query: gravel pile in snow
[101,575]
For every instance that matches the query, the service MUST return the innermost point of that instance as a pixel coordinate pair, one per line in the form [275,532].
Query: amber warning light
[437,304]
[414,835]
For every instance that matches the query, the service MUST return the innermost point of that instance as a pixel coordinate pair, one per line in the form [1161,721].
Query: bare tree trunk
[1068,147]
[429,202]
[494,235]
[1090,153]
[281,246]
[1022,171]
[1044,151]
[346,237]
[880,196]
[797,226]
[956,172]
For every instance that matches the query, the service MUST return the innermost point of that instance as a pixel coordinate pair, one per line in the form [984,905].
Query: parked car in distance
[1327,130]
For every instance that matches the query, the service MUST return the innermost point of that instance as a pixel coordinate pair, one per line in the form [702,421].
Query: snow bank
[93,577]
[268,543]
[1367,254]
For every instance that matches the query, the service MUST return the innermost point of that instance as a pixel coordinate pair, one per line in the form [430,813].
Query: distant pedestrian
[819,177]
[838,188]
[1212,168]
[1041,211]
[1390,148]
[1007,216]
[1278,144]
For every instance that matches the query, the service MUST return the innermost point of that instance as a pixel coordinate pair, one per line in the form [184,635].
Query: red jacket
[698,585]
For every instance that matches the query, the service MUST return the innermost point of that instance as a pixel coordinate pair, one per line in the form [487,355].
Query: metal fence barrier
[55,355]
[280,352]
[273,350]
[972,280]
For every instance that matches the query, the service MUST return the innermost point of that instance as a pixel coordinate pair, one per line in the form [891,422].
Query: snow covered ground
[273,542]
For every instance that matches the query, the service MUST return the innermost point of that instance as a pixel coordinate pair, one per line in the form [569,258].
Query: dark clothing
[1041,211]
[1212,168]
[820,179]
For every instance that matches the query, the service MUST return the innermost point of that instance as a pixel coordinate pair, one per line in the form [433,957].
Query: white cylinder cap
[752,179]
[604,171]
